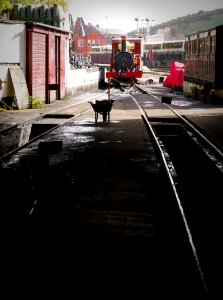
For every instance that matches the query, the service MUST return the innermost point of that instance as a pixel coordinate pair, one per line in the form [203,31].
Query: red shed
[46,53]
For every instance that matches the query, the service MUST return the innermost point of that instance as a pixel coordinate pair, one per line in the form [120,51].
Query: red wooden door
[38,72]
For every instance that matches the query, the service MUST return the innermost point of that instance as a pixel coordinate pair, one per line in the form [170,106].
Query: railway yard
[115,206]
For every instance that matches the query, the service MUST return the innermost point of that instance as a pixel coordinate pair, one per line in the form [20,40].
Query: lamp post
[147,20]
[106,35]
[137,21]
[143,20]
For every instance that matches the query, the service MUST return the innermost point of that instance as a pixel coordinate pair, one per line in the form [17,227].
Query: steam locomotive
[126,59]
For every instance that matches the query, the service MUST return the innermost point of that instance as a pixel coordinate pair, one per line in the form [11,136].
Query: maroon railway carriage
[204,64]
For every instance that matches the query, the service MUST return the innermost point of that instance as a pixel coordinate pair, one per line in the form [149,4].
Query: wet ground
[98,218]
[99,215]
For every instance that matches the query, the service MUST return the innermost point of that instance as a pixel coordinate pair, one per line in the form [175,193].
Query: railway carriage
[100,55]
[163,54]
[204,64]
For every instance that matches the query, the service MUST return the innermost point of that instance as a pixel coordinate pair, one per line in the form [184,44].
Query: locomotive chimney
[123,48]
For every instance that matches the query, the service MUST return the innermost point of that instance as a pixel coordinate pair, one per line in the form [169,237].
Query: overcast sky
[121,14]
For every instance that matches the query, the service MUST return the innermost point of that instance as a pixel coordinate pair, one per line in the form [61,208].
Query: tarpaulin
[175,79]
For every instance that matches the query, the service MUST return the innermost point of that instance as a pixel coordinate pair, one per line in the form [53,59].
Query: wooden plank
[20,87]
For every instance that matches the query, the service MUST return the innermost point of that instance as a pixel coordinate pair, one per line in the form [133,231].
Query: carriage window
[188,47]
[95,49]
[146,47]
[157,46]
[212,44]
[172,45]
[89,43]
[201,47]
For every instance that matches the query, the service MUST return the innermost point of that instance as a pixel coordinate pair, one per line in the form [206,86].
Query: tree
[7,5]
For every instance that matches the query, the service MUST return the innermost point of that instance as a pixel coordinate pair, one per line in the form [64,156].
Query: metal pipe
[123,46]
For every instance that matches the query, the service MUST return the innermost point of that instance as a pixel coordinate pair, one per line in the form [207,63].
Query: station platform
[14,117]
[206,115]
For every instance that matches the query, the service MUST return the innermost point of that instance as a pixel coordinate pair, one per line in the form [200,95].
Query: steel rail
[166,164]
[42,115]
[197,131]
[218,151]
[9,154]
[36,118]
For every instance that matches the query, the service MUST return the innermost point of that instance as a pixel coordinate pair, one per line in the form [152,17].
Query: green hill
[192,22]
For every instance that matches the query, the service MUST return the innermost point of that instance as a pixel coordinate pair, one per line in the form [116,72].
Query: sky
[121,14]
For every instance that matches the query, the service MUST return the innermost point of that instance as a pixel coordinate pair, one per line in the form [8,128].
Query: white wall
[81,80]
[12,52]
[155,38]
[13,44]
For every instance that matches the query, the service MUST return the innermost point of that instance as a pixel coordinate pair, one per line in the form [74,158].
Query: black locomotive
[124,62]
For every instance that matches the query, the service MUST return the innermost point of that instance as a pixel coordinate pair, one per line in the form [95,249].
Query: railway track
[17,136]
[138,214]
[195,169]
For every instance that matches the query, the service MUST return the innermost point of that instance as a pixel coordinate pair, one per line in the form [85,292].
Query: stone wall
[83,80]
[52,16]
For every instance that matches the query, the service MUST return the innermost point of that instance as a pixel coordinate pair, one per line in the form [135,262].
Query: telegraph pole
[106,34]
[147,27]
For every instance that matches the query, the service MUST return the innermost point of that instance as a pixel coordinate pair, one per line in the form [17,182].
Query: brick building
[86,36]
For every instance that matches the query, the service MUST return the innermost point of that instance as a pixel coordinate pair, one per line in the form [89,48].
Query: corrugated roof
[83,30]
[90,28]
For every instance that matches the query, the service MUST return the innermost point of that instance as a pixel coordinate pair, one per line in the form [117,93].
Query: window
[201,46]
[157,46]
[194,47]
[80,43]
[97,42]
[93,43]
[213,41]
[89,43]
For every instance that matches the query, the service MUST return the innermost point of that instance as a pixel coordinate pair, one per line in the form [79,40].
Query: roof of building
[79,27]
[83,30]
